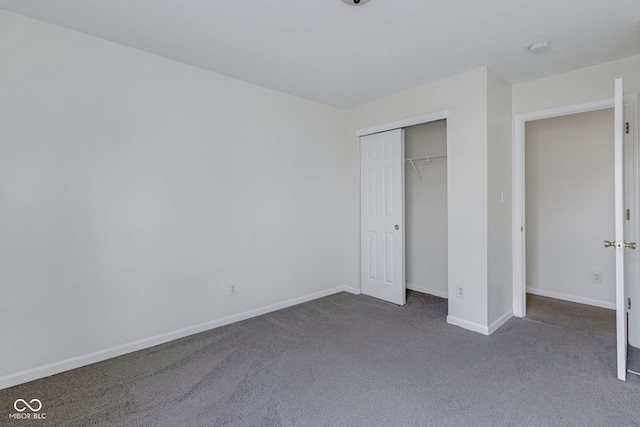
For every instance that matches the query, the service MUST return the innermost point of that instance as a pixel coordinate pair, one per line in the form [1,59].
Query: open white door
[619,244]
[632,231]
[382,216]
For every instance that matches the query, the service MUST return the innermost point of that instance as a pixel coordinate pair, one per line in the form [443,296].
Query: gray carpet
[580,317]
[348,360]
[633,359]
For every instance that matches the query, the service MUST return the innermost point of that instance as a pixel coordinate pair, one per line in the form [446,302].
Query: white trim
[98,356]
[472,326]
[518,206]
[500,321]
[621,313]
[476,327]
[517,219]
[571,298]
[427,290]
[566,110]
[411,121]
[352,290]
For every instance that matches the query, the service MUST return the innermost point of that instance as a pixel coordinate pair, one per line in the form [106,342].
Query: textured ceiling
[327,51]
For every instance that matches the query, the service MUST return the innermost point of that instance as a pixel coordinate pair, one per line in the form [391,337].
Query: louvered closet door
[382,215]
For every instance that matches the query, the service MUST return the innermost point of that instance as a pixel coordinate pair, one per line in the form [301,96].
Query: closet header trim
[399,124]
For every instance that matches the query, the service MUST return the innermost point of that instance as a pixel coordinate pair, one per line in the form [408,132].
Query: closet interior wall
[426,209]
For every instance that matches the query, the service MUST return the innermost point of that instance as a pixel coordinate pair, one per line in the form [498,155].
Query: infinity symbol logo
[26,405]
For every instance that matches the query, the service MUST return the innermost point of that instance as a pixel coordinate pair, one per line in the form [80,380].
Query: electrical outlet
[233,289]
[460,292]
[596,276]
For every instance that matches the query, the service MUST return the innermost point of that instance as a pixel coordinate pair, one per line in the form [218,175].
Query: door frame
[518,182]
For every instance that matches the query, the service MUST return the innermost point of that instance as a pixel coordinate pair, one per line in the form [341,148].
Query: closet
[425,151]
[403,208]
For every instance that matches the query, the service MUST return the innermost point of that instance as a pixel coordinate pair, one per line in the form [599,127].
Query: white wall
[426,209]
[466,98]
[134,190]
[569,198]
[499,131]
[584,85]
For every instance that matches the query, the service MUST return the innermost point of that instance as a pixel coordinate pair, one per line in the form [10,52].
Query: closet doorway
[426,243]
[403,190]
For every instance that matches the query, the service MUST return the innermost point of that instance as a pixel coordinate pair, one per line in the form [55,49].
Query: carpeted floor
[580,317]
[633,359]
[348,360]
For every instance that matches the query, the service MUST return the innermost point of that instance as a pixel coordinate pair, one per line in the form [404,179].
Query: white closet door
[382,216]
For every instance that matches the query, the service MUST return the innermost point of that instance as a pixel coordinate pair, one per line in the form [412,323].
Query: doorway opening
[403,192]
[626,111]
[569,192]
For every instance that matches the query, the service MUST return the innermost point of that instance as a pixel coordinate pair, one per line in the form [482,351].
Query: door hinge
[628,303]
[626,127]
[628,214]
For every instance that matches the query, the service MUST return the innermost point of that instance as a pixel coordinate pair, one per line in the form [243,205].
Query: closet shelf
[415,160]
[426,159]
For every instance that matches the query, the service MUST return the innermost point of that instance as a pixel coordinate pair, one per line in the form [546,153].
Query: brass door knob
[608,244]
[631,245]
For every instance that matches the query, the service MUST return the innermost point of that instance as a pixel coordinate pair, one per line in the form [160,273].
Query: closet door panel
[382,216]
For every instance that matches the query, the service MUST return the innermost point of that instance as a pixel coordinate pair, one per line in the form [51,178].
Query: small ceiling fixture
[539,47]
[355,2]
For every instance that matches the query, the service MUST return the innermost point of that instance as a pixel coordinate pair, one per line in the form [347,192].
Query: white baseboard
[571,298]
[98,356]
[351,290]
[472,326]
[427,290]
[477,327]
[500,321]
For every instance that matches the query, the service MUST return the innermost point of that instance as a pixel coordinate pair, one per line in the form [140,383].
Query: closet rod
[426,159]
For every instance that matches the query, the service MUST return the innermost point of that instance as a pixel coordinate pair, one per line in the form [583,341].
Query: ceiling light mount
[539,47]
[355,2]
